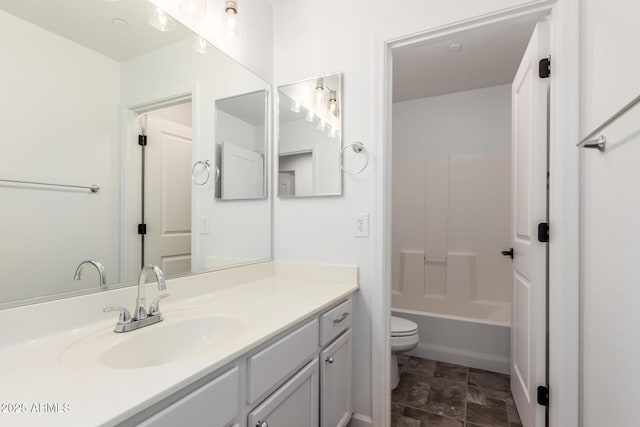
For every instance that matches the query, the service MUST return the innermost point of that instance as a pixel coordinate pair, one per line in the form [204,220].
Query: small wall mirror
[310,137]
[241,143]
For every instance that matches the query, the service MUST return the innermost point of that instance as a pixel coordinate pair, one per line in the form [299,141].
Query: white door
[242,172]
[529,95]
[168,196]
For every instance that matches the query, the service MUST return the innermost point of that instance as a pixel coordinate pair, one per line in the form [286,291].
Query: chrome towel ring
[358,148]
[198,166]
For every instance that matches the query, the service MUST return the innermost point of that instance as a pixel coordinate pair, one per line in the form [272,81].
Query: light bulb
[322,125]
[231,27]
[295,106]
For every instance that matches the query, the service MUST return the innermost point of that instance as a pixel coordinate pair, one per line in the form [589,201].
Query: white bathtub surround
[265,298]
[451,209]
[482,344]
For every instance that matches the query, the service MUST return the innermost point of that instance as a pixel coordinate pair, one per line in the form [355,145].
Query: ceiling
[88,22]
[248,107]
[489,56]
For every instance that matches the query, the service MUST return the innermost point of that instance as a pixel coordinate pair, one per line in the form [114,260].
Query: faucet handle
[125,316]
[154,308]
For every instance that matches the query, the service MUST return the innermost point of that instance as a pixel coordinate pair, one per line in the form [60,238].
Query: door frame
[129,160]
[563,325]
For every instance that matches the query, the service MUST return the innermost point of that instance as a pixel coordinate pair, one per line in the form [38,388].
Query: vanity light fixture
[159,19]
[320,91]
[333,102]
[231,15]
[231,7]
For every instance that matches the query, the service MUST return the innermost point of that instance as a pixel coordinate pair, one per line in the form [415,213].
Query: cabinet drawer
[295,404]
[213,405]
[279,360]
[336,321]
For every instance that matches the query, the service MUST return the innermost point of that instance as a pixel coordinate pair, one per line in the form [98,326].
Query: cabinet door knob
[328,359]
[262,424]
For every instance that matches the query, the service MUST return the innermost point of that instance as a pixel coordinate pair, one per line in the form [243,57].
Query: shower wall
[451,204]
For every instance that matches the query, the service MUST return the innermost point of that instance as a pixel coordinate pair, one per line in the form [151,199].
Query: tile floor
[438,394]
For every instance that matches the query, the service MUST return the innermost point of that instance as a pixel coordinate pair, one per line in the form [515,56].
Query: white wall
[238,230]
[610,322]
[451,183]
[58,126]
[313,38]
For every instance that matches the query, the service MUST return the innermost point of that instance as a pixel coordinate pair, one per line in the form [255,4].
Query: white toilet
[404,337]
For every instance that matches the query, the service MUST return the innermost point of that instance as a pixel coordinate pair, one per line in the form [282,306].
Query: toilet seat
[402,327]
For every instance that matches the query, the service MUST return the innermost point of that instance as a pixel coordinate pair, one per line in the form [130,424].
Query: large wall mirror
[310,137]
[109,112]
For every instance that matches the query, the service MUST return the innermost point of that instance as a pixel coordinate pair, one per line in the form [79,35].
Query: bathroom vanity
[263,345]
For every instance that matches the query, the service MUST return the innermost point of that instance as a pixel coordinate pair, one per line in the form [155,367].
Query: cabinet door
[295,404]
[336,381]
[213,405]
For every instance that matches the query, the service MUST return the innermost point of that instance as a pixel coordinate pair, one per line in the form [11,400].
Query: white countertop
[36,376]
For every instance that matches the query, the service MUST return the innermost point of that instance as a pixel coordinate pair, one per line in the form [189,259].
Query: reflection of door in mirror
[168,189]
[241,132]
[287,183]
[297,174]
[242,172]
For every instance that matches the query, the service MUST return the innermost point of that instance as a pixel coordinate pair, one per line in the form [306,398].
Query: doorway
[462,192]
[164,199]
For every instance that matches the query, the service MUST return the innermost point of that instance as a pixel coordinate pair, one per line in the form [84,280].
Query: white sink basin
[174,339]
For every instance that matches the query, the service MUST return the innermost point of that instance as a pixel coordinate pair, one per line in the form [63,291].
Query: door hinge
[543,232]
[142,228]
[142,140]
[544,68]
[543,395]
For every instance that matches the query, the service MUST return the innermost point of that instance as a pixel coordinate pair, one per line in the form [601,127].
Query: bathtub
[482,342]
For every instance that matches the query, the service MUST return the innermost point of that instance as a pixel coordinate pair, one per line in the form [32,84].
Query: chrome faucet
[141,317]
[98,266]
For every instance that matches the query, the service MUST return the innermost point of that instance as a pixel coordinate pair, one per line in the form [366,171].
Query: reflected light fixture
[199,44]
[159,19]
[333,102]
[320,91]
[310,116]
[295,106]
[231,13]
[322,125]
[193,7]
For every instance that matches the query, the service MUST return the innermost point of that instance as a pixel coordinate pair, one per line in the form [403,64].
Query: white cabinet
[213,405]
[336,382]
[300,378]
[281,359]
[295,404]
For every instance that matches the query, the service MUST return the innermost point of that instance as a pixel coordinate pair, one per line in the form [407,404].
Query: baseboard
[488,362]
[358,420]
